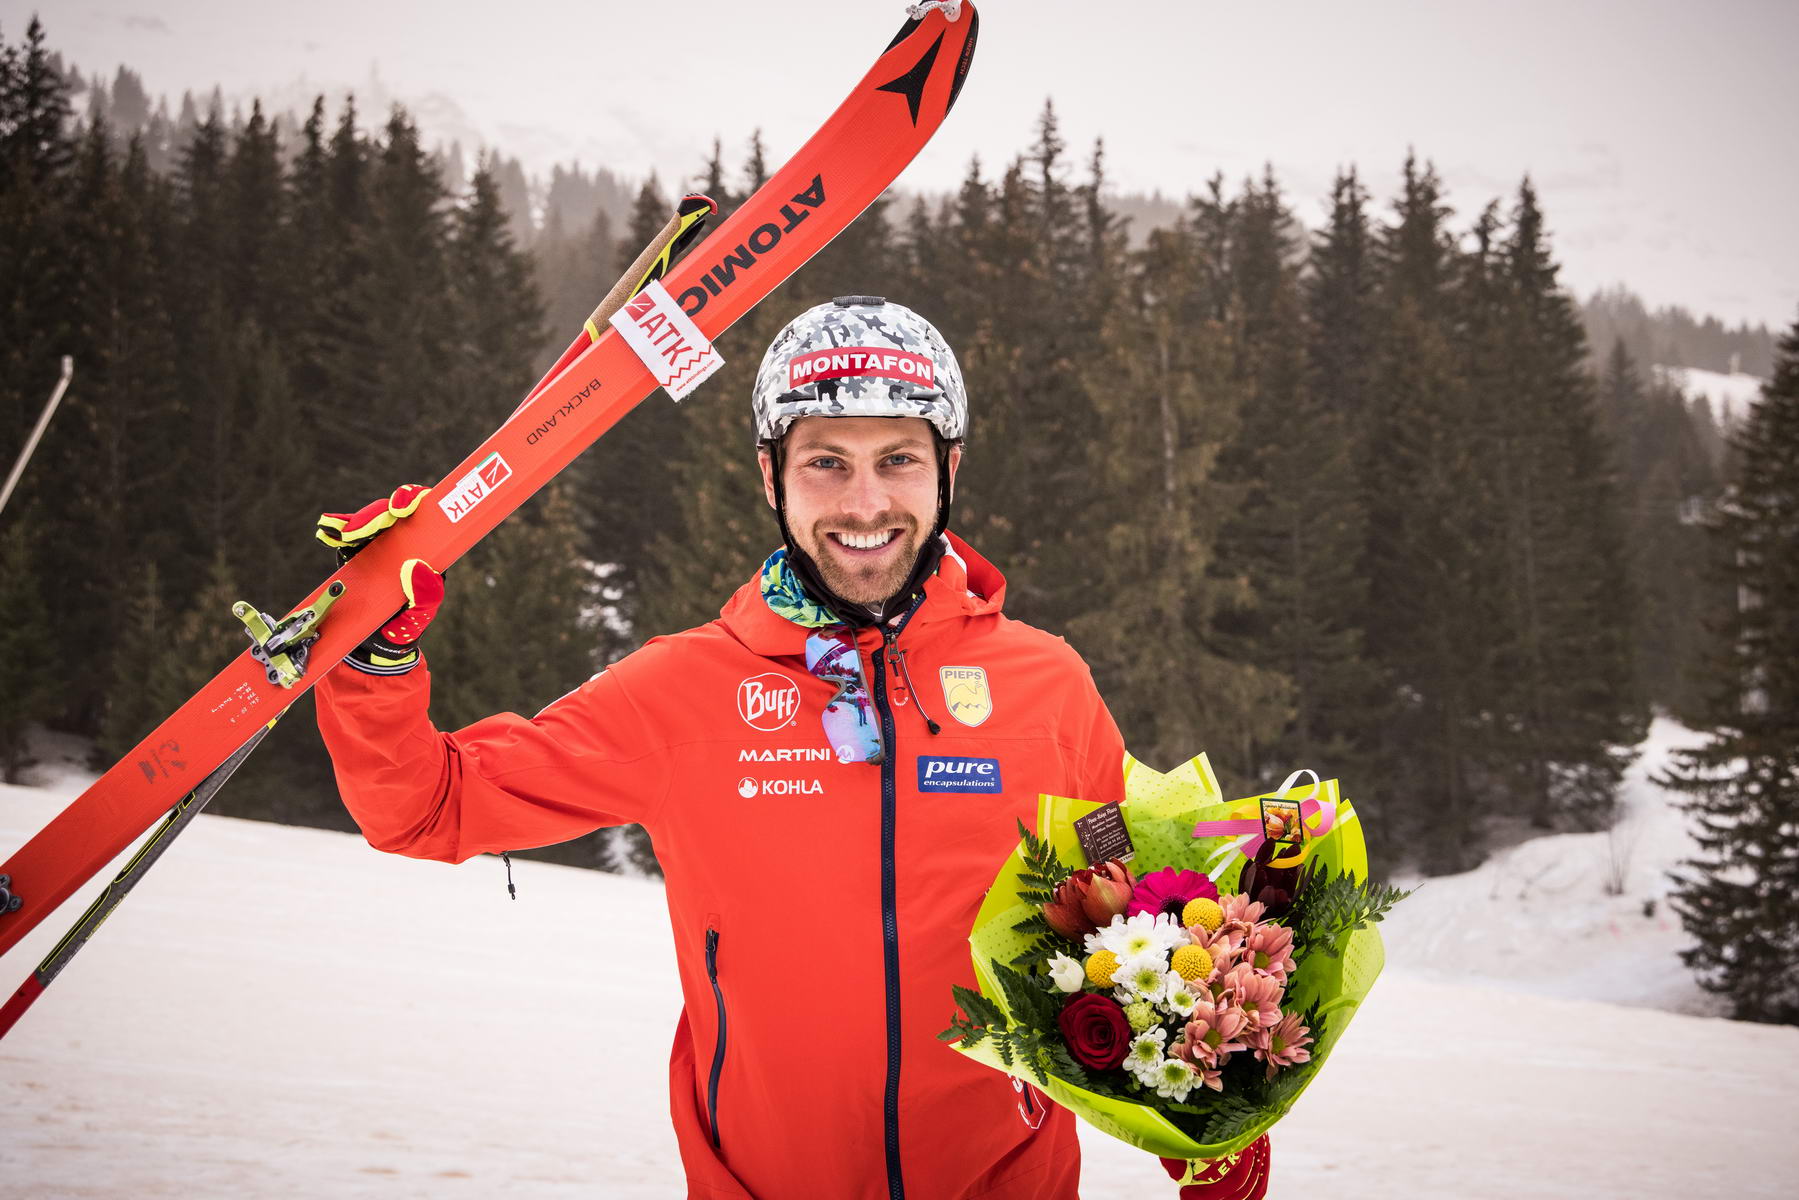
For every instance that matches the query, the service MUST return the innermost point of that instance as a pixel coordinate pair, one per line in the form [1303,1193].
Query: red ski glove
[392,649]
[1240,1176]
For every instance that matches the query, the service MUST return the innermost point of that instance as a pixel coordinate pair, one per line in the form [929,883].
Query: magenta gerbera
[1168,891]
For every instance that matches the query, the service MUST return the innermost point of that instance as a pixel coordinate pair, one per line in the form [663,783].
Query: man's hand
[392,649]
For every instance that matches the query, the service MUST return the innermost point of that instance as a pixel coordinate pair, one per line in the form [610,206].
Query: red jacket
[806,1061]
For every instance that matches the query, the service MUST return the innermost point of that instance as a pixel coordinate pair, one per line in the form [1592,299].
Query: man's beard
[873,582]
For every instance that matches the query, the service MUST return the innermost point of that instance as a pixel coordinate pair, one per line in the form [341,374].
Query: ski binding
[281,646]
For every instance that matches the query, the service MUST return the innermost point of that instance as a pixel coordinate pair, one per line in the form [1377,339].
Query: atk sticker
[966,694]
[767,702]
[937,774]
[475,487]
[667,340]
[867,362]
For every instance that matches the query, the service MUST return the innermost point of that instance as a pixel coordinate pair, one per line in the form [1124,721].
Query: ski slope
[1730,395]
[284,1012]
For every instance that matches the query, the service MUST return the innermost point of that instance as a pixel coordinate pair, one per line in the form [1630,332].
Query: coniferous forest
[1365,498]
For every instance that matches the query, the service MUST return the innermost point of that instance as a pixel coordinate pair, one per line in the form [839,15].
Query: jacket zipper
[718,1050]
[896,1186]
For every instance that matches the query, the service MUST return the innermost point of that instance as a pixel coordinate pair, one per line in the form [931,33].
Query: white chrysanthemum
[1139,936]
[1180,998]
[1145,1054]
[1172,1079]
[1142,979]
[1067,973]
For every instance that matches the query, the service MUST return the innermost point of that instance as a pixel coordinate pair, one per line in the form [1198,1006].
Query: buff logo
[475,487]
[763,238]
[767,702]
[861,361]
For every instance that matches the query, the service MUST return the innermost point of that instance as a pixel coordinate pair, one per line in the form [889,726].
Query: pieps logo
[767,702]
[965,692]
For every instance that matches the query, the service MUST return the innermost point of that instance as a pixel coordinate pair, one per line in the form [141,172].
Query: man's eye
[824,462]
[900,460]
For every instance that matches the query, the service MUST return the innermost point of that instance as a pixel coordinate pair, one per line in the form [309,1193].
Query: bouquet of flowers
[1181,1000]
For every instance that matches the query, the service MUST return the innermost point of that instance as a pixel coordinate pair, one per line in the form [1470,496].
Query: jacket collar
[965,585]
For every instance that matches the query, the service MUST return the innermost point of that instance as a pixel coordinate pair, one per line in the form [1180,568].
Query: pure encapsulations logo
[767,702]
[475,487]
[849,362]
[958,774]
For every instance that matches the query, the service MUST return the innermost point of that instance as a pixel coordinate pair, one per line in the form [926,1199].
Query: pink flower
[1268,947]
[1211,1077]
[1240,912]
[1224,946]
[1283,1045]
[1255,995]
[1168,891]
[1210,1036]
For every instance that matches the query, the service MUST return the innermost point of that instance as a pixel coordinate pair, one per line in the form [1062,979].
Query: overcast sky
[1659,133]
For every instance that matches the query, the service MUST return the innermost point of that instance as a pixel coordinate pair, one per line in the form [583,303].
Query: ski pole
[680,231]
[283,642]
[18,468]
[178,819]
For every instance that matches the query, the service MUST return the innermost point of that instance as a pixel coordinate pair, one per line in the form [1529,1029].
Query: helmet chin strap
[855,615]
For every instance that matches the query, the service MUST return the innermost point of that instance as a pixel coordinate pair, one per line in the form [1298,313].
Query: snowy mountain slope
[281,1012]
[1580,915]
[1730,395]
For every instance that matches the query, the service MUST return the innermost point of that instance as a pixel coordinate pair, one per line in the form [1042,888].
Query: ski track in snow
[284,1012]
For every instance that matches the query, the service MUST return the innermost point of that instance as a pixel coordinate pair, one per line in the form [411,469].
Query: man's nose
[866,497]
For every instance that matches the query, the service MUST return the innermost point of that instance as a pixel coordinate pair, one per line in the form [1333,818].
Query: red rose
[1095,1029]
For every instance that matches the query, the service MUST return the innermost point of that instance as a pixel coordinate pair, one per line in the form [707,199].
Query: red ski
[845,166]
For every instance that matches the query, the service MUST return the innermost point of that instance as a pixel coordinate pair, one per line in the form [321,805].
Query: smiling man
[831,773]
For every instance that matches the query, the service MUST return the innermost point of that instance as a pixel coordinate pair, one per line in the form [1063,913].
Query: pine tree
[116,467]
[27,668]
[1740,898]
[1298,537]
[1166,400]
[1666,479]
[1425,620]
[1565,670]
[35,145]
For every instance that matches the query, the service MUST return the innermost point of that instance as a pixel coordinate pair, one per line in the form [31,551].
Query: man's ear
[955,460]
[767,462]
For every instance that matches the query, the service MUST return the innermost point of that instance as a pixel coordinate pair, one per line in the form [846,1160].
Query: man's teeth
[866,541]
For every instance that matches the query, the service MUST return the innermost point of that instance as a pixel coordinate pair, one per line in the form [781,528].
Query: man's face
[861,497]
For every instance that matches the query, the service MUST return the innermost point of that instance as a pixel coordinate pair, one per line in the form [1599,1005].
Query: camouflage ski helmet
[859,356]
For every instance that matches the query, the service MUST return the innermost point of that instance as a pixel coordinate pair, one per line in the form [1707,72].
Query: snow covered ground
[1730,395]
[283,1012]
